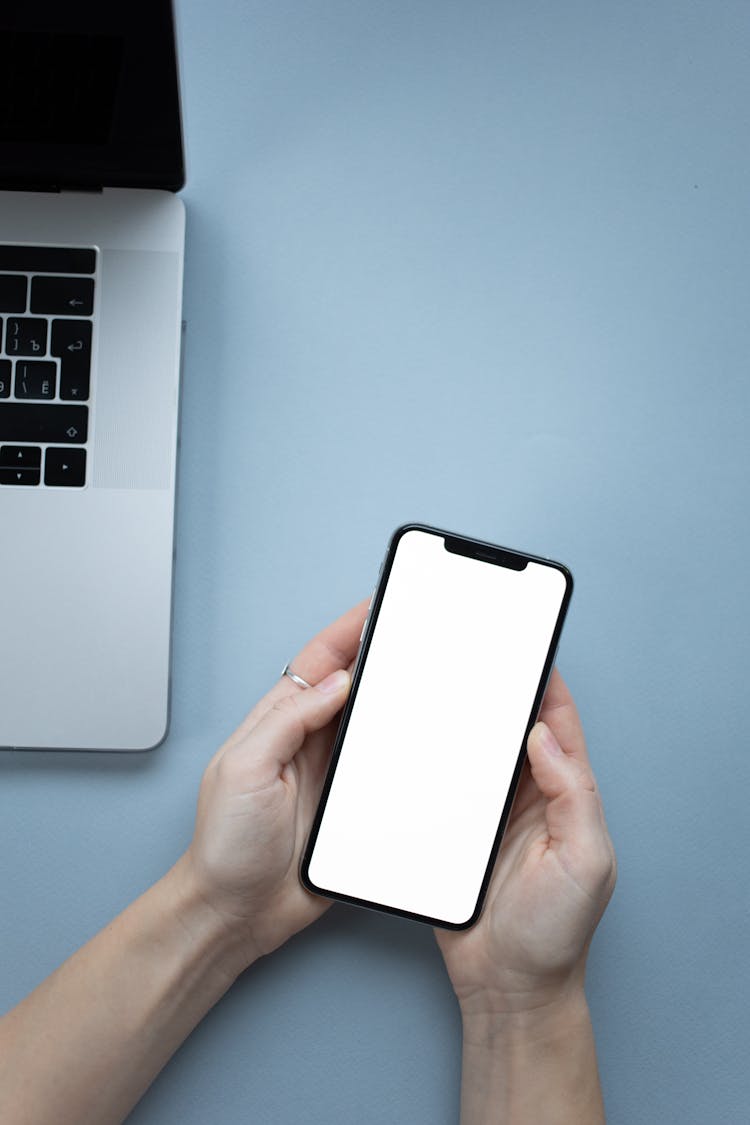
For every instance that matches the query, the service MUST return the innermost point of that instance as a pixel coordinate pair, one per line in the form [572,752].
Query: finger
[334,647]
[318,754]
[527,793]
[575,818]
[282,731]
[560,714]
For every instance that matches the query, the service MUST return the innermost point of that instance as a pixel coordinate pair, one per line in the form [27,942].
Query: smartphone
[454,658]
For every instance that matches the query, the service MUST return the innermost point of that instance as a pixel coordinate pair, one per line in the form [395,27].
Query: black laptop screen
[89,95]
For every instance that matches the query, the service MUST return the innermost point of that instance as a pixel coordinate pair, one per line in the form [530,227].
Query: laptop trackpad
[134,407]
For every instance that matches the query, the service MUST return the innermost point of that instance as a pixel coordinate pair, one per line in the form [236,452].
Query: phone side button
[367,618]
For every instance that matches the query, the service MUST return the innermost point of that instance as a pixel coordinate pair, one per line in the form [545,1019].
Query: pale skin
[85,1045]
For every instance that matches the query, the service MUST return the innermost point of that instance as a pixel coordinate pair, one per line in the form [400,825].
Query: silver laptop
[91,258]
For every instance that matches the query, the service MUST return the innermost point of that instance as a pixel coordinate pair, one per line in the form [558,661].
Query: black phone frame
[490,553]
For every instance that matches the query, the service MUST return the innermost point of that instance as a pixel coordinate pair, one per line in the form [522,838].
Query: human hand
[259,794]
[553,878]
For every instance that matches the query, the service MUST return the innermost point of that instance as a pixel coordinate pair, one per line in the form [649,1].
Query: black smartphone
[453,662]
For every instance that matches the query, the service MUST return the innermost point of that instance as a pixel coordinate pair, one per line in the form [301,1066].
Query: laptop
[91,260]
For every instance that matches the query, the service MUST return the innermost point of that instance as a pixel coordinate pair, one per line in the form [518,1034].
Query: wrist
[489,1020]
[532,1064]
[224,946]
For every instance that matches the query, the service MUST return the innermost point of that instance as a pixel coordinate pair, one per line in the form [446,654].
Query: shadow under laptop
[76,761]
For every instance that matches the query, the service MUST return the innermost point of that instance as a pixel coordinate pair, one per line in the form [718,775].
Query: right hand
[553,878]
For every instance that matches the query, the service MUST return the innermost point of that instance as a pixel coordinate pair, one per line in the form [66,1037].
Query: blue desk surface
[483,265]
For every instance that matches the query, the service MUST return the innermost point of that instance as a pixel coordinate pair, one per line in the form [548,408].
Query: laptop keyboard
[46,305]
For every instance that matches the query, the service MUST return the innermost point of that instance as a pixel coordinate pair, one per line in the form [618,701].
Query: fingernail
[334,683]
[548,740]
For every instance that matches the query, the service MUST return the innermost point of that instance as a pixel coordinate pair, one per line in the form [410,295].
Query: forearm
[528,1068]
[86,1044]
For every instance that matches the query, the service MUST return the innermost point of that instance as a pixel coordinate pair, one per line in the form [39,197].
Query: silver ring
[293,676]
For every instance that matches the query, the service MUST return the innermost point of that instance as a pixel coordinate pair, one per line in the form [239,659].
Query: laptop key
[4,378]
[19,476]
[20,457]
[35,379]
[73,296]
[26,336]
[74,386]
[71,341]
[60,423]
[47,259]
[12,293]
[65,468]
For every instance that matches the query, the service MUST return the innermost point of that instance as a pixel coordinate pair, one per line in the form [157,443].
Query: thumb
[282,731]
[575,818]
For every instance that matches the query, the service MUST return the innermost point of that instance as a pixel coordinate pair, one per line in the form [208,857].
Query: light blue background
[483,265]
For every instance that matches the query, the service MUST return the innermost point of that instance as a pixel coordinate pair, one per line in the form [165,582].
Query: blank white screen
[435,730]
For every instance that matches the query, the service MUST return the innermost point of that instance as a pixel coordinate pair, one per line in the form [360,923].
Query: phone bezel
[492,554]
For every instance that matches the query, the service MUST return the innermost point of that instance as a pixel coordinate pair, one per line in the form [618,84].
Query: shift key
[54,423]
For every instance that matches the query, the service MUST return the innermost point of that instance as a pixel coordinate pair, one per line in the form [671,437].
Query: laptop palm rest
[85,600]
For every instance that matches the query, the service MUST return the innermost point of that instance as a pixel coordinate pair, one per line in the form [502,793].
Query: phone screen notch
[486,553]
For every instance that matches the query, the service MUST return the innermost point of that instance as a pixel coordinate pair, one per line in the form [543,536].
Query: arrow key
[20,457]
[19,476]
[65,468]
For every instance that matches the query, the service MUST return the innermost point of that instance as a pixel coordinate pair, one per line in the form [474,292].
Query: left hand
[259,794]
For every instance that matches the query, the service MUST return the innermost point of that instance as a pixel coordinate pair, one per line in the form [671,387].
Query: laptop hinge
[14,185]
